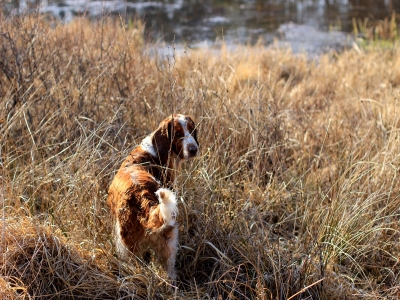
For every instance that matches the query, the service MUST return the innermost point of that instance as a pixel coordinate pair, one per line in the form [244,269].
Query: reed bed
[295,194]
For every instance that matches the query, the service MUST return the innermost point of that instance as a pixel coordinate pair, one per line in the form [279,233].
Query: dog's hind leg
[172,244]
[167,248]
[169,231]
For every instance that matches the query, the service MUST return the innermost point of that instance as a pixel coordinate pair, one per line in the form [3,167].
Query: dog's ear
[165,128]
[162,138]
[194,132]
[170,134]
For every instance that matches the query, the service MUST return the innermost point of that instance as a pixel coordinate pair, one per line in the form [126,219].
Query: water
[306,25]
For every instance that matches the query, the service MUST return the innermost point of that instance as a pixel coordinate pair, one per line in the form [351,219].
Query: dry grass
[377,30]
[296,194]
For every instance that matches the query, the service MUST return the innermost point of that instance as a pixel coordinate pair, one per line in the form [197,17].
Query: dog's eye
[177,134]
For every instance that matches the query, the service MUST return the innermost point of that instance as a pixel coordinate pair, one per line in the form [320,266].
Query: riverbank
[295,193]
[238,22]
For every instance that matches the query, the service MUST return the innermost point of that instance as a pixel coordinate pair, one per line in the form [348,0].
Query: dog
[142,204]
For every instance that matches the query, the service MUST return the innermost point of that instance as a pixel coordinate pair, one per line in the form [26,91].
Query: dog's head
[177,133]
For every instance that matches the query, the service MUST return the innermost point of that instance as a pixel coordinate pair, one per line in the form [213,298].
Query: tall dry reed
[295,194]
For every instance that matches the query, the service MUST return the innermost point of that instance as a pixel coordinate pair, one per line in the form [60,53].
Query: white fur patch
[147,145]
[120,247]
[188,139]
[168,205]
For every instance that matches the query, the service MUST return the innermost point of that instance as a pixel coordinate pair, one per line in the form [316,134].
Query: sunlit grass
[295,194]
[377,33]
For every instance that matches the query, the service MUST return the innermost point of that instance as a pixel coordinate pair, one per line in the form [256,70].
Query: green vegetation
[382,33]
[295,195]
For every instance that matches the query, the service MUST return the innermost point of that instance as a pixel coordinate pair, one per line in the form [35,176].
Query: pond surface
[304,24]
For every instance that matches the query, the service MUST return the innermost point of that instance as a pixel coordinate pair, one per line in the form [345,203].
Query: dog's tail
[168,206]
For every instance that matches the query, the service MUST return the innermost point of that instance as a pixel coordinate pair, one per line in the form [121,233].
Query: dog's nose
[193,150]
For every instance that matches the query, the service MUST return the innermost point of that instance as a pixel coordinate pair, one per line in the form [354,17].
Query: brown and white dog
[144,212]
